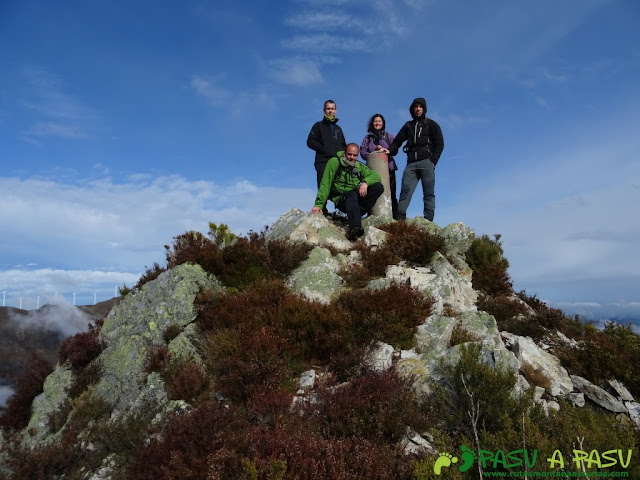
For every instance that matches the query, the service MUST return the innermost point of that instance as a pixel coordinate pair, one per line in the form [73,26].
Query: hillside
[296,354]
[25,332]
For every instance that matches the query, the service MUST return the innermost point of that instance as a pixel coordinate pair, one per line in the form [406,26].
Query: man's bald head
[351,154]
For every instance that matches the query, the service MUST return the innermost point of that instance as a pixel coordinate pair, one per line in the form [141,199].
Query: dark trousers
[356,206]
[320,171]
[394,199]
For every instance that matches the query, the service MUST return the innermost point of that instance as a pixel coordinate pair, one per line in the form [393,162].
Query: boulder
[529,354]
[317,277]
[315,229]
[598,396]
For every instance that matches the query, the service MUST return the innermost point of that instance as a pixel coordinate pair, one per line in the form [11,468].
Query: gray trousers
[423,170]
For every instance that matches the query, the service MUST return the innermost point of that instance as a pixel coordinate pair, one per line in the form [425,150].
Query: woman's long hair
[370,126]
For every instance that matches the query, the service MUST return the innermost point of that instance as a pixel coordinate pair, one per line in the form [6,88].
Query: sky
[124,124]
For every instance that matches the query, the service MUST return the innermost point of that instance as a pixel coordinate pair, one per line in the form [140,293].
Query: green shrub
[149,275]
[221,235]
[472,385]
[486,258]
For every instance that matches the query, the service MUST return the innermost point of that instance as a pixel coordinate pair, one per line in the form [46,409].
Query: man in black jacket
[326,138]
[423,149]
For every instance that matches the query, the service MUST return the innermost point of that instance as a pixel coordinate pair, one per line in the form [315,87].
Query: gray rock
[634,412]
[617,388]
[553,405]
[598,395]
[576,399]
[529,354]
[315,229]
[520,387]
[439,280]
[53,397]
[307,380]
[374,237]
[380,357]
[414,444]
[317,277]
[137,324]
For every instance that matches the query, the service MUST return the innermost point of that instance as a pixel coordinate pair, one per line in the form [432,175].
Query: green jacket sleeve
[369,176]
[326,182]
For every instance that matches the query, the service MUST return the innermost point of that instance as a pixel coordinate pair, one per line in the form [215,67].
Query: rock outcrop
[138,324]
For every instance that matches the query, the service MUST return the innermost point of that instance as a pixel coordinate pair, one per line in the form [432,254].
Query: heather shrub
[193,247]
[390,315]
[535,377]
[554,318]
[461,335]
[373,264]
[307,455]
[187,381]
[157,359]
[411,243]
[241,262]
[259,365]
[613,353]
[15,415]
[83,378]
[211,437]
[80,349]
[54,460]
[405,241]
[149,275]
[269,406]
[171,332]
[184,378]
[123,291]
[486,258]
[510,315]
[378,406]
[309,330]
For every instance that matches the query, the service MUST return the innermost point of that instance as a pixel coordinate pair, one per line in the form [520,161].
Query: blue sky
[123,124]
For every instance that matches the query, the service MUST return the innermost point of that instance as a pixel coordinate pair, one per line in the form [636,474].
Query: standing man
[326,138]
[352,187]
[423,149]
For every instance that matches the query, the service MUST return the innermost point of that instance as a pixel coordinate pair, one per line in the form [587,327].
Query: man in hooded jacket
[424,147]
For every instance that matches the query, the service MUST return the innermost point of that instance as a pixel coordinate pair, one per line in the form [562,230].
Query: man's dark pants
[356,206]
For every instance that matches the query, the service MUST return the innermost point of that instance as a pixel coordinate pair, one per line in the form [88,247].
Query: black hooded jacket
[423,137]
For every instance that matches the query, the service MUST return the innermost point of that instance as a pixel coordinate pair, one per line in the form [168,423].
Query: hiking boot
[355,233]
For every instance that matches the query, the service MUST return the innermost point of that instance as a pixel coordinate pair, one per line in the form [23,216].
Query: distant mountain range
[600,313]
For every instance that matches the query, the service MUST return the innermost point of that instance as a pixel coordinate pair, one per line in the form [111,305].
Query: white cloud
[323,21]
[116,229]
[320,42]
[58,114]
[46,129]
[295,71]
[207,88]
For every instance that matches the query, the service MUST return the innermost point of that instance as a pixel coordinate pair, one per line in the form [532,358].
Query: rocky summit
[201,350]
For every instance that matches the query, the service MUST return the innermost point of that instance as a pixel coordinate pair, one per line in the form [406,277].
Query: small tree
[221,235]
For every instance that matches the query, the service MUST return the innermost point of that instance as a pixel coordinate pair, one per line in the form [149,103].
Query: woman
[378,139]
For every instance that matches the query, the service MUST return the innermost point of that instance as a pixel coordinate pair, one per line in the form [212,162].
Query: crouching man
[351,186]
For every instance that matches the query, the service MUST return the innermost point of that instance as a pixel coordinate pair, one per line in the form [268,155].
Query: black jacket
[323,142]
[423,136]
